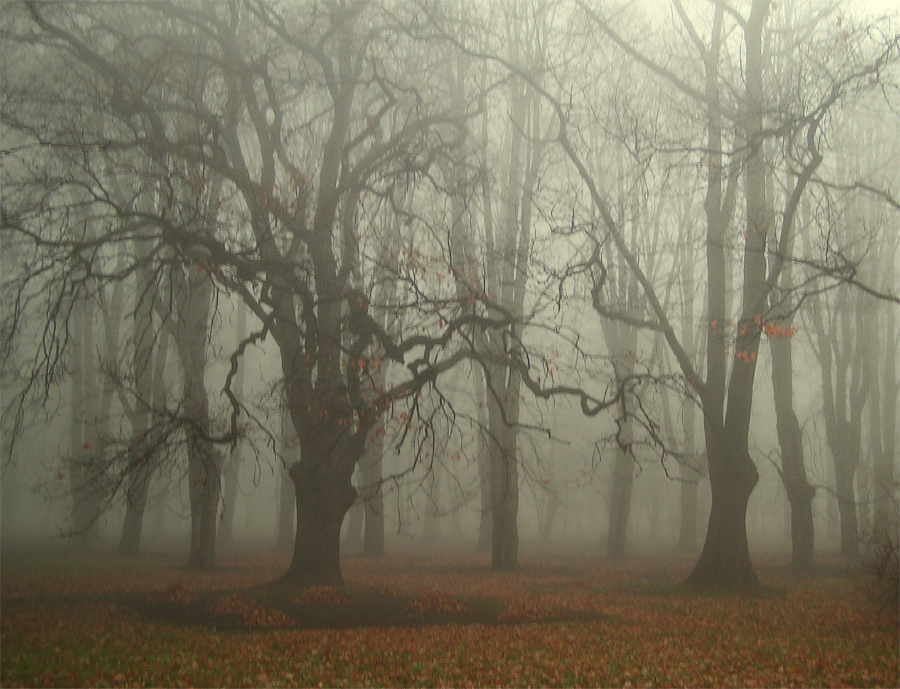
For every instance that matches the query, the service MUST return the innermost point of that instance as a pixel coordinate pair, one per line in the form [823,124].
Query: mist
[498,278]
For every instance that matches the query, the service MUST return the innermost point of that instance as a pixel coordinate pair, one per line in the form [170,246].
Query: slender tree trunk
[485,514]
[507,287]
[504,496]
[622,484]
[551,509]
[845,383]
[204,461]
[431,531]
[793,472]
[846,453]
[84,437]
[142,366]
[231,470]
[790,438]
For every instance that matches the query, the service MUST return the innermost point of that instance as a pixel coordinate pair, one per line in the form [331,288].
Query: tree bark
[724,562]
[84,442]
[373,498]
[485,512]
[204,461]
[504,496]
[793,471]
[142,368]
[790,437]
[886,518]
[323,498]
[725,559]
[231,469]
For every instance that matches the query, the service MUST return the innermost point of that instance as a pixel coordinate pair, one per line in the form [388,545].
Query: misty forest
[464,326]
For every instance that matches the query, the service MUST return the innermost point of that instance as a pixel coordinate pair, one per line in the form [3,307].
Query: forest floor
[434,620]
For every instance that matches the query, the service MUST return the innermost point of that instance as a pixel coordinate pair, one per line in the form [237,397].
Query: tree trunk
[504,495]
[691,468]
[204,475]
[846,462]
[231,470]
[287,512]
[356,517]
[323,499]
[687,524]
[486,514]
[799,493]
[84,437]
[431,530]
[793,471]
[886,502]
[551,509]
[622,484]
[135,506]
[230,473]
[373,537]
[204,461]
[142,369]
[286,517]
[725,559]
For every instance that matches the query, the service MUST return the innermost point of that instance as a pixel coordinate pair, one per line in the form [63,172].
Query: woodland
[291,290]
[466,255]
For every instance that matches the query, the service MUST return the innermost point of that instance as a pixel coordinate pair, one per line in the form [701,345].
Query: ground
[434,620]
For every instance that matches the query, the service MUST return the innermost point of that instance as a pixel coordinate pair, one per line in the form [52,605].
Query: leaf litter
[441,622]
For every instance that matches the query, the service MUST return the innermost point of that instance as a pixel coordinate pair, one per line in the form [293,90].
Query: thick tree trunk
[135,506]
[356,517]
[691,469]
[687,525]
[287,513]
[204,474]
[371,467]
[323,499]
[286,517]
[724,562]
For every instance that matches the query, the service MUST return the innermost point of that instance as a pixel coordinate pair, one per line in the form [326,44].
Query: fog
[510,277]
